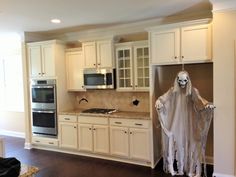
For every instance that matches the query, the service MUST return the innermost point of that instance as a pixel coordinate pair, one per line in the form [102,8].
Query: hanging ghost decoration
[185,119]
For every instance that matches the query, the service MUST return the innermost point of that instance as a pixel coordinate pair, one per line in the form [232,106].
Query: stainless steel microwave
[103,78]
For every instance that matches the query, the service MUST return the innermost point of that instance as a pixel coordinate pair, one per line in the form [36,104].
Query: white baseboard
[222,175]
[28,146]
[12,133]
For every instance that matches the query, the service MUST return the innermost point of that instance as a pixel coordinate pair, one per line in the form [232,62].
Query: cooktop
[99,111]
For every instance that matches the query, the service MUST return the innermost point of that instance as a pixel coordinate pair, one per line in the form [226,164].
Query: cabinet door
[68,135]
[34,56]
[141,68]
[48,60]
[119,141]
[85,137]
[124,68]
[196,43]
[74,69]
[104,53]
[89,54]
[139,144]
[101,139]
[165,46]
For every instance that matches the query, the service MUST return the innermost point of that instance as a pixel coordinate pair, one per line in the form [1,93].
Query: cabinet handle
[67,118]
[138,124]
[37,141]
[118,123]
[50,143]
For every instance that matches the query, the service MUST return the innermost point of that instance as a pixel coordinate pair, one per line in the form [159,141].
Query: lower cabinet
[37,140]
[93,134]
[126,141]
[124,138]
[68,131]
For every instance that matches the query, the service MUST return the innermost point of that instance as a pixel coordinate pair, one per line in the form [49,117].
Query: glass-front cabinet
[132,66]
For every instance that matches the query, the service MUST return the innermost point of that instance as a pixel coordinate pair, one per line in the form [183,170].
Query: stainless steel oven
[44,107]
[43,94]
[44,122]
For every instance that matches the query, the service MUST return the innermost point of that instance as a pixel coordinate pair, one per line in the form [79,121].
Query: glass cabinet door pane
[121,83]
[120,54]
[139,52]
[140,72]
[140,82]
[127,53]
[127,82]
[127,73]
[146,62]
[121,73]
[127,63]
[121,63]
[139,62]
[146,70]
[146,82]
[146,51]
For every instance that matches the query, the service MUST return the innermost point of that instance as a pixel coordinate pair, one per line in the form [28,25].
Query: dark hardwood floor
[55,164]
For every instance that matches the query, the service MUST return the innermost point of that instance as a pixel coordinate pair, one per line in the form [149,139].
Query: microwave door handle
[50,112]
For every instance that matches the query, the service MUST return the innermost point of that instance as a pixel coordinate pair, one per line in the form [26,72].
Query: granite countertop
[117,114]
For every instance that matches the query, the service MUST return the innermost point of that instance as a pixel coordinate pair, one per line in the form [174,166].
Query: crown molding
[223,5]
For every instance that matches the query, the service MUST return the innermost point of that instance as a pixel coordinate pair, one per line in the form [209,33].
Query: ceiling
[35,15]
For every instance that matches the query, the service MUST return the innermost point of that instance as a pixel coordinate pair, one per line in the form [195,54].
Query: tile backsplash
[122,101]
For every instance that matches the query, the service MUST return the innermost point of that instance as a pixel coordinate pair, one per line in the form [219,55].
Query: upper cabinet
[190,43]
[132,60]
[98,54]
[42,57]
[74,69]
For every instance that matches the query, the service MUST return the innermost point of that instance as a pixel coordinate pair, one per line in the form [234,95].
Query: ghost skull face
[182,79]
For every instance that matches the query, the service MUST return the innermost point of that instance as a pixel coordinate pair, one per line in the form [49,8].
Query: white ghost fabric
[185,123]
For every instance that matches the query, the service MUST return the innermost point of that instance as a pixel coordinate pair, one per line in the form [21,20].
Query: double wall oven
[44,107]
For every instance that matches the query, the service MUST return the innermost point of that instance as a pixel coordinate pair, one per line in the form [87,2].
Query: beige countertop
[118,114]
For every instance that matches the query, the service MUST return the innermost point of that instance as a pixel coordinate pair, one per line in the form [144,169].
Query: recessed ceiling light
[55,20]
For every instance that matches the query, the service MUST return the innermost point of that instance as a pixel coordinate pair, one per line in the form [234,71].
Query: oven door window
[94,79]
[43,95]
[44,119]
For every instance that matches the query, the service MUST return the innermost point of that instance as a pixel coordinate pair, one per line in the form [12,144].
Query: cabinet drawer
[130,123]
[67,118]
[93,120]
[45,141]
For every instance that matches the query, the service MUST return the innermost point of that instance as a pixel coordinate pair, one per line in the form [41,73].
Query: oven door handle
[50,112]
[45,86]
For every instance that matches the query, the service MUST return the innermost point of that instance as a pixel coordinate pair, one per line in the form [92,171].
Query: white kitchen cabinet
[42,58]
[119,140]
[74,70]
[85,137]
[130,139]
[98,54]
[139,144]
[93,134]
[132,66]
[37,140]
[68,131]
[182,44]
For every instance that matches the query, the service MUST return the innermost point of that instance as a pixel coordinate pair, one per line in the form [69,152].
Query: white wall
[224,35]
[12,123]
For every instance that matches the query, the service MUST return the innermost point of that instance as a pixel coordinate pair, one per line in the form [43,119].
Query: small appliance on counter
[102,78]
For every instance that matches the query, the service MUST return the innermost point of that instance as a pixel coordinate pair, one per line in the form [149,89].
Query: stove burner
[99,111]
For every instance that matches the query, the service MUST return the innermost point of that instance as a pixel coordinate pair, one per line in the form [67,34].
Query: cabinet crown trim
[180,24]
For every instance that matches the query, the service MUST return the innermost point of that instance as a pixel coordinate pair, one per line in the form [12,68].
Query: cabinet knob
[94,128]
[182,56]
[90,128]
[99,64]
[125,131]
[130,133]
[74,126]
[136,86]
[94,64]
[39,73]
[175,57]
[82,86]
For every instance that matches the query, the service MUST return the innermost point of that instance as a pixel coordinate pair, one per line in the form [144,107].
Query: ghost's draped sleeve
[199,102]
[166,96]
